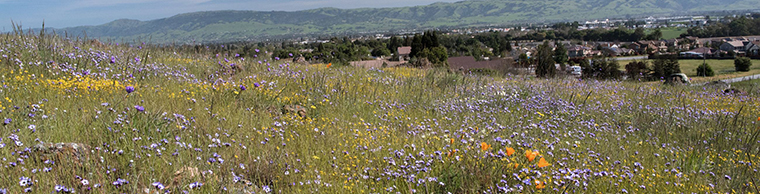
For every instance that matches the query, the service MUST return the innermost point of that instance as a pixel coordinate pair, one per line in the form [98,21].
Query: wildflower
[542,163]
[329,64]
[266,188]
[484,146]
[510,151]
[25,181]
[539,184]
[159,186]
[256,85]
[452,141]
[130,89]
[139,108]
[195,185]
[242,88]
[7,121]
[531,155]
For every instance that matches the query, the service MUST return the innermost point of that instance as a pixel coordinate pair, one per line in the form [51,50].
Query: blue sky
[67,13]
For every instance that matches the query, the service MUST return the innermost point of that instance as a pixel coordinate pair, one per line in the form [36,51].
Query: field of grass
[670,33]
[724,69]
[163,119]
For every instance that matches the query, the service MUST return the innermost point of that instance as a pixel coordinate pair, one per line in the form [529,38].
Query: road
[631,58]
[745,78]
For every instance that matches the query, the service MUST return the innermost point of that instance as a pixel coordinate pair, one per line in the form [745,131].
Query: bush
[705,70]
[637,70]
[742,64]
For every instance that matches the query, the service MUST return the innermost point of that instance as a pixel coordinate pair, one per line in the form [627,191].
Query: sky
[69,13]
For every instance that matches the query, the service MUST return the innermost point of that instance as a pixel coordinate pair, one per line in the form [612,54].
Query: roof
[578,48]
[406,50]
[468,62]
[736,43]
[702,50]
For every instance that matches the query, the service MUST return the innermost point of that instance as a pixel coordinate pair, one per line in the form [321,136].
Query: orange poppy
[516,165]
[539,184]
[452,140]
[484,146]
[542,163]
[510,151]
[329,64]
[531,155]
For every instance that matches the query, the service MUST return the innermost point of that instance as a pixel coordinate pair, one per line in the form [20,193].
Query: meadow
[161,119]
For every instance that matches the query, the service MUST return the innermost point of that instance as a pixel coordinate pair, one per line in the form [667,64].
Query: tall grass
[365,130]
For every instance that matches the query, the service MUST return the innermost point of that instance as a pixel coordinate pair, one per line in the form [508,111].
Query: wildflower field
[140,118]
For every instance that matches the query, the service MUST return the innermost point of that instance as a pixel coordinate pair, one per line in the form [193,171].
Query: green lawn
[723,68]
[669,33]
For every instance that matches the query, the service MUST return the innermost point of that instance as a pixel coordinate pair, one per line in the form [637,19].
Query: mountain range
[225,26]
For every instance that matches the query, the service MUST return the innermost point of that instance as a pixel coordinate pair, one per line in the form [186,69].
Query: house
[653,46]
[404,52]
[736,46]
[753,48]
[699,53]
[578,51]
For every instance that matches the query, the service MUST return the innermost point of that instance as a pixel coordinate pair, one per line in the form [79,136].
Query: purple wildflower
[256,85]
[242,88]
[139,108]
[130,89]
[7,121]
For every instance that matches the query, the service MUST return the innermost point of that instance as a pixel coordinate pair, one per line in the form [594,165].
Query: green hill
[218,26]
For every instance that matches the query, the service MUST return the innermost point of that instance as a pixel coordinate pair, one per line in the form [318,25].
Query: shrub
[742,64]
[637,70]
[705,70]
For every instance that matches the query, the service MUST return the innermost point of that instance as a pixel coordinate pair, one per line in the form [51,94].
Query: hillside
[216,26]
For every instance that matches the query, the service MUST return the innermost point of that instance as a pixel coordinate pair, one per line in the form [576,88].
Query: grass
[749,86]
[364,131]
[724,69]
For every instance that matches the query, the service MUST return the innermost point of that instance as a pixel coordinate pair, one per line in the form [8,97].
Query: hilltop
[223,26]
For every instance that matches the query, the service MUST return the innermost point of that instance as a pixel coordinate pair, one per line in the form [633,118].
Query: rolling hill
[221,26]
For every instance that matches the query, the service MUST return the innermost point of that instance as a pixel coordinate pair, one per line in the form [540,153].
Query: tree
[656,35]
[545,67]
[560,55]
[664,66]
[637,70]
[605,68]
[380,51]
[705,70]
[742,64]
[638,34]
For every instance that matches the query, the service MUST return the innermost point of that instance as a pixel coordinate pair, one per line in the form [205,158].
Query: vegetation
[705,70]
[637,70]
[603,68]
[665,66]
[740,26]
[570,32]
[545,61]
[175,119]
[742,63]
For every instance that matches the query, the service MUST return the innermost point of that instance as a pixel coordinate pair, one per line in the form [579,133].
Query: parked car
[575,70]
[678,78]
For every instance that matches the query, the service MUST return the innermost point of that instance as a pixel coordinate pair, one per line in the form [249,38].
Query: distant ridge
[224,26]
